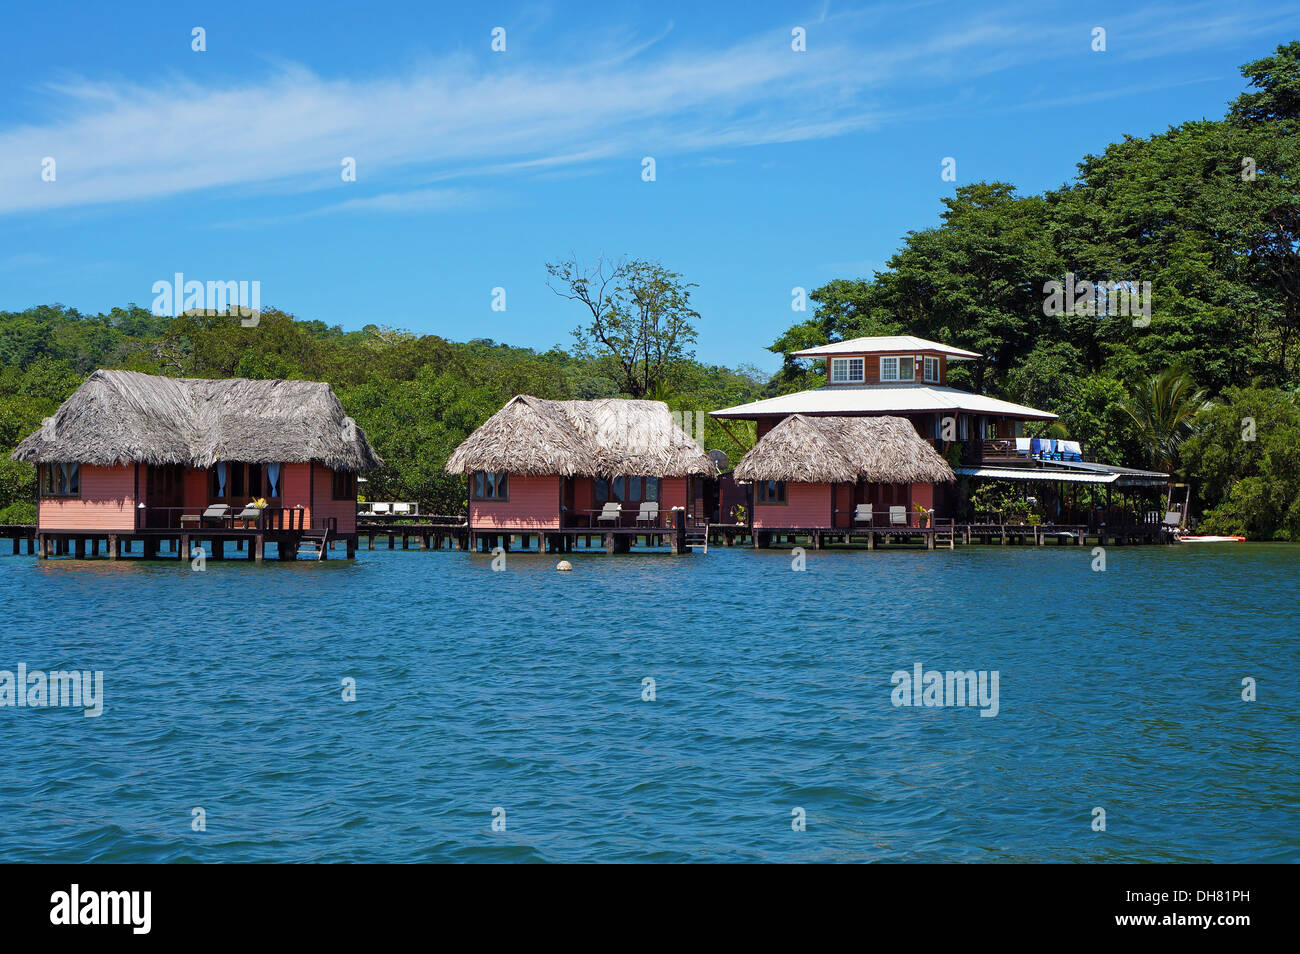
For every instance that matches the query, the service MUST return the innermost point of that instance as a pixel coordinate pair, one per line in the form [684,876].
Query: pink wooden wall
[922,494]
[534,504]
[806,505]
[672,493]
[195,487]
[345,511]
[107,502]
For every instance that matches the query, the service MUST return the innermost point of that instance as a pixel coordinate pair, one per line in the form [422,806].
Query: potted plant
[922,516]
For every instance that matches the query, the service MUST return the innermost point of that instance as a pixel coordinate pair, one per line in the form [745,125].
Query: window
[61,480]
[344,485]
[627,489]
[847,370]
[234,482]
[489,485]
[771,491]
[273,481]
[932,369]
[897,368]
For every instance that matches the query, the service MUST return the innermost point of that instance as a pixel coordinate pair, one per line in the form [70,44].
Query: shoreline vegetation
[1204,219]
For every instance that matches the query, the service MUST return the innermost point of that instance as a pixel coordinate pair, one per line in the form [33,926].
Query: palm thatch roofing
[884,450]
[604,438]
[119,417]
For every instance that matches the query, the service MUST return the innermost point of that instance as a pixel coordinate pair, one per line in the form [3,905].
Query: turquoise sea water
[522,690]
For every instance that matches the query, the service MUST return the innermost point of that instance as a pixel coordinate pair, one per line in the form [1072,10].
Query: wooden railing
[193,518]
[884,520]
[628,516]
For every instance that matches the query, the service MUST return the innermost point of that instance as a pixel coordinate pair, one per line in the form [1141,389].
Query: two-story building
[982,437]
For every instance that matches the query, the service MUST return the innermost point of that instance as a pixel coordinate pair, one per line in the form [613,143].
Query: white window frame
[847,364]
[899,361]
[931,362]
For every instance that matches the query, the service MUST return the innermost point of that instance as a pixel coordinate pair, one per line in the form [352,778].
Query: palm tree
[1164,407]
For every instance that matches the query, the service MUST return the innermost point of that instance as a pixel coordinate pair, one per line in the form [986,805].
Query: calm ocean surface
[522,690]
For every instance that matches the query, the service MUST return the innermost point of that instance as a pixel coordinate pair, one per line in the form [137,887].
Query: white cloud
[467,117]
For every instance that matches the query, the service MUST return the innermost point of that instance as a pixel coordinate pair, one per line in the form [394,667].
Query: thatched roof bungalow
[131,451]
[814,472]
[538,464]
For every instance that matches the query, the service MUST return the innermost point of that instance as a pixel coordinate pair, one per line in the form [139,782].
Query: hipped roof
[119,417]
[844,450]
[603,438]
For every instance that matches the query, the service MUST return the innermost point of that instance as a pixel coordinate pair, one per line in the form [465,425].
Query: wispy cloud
[476,116]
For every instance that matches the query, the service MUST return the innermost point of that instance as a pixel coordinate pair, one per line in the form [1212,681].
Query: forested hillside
[1207,213]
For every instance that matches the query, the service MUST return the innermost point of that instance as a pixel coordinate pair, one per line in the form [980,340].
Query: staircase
[313,543]
[698,536]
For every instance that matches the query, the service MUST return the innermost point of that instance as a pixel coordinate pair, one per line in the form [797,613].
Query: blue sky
[774,168]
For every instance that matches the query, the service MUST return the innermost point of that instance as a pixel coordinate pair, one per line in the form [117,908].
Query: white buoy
[564,565]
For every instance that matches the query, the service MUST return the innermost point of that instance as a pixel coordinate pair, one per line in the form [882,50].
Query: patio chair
[611,513]
[403,509]
[1173,518]
[191,521]
[649,513]
[898,516]
[862,514]
[217,512]
[380,510]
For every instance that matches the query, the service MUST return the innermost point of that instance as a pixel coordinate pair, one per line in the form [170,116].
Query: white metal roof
[885,344]
[881,399]
[1035,473]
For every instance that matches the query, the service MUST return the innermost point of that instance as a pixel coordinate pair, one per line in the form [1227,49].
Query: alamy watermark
[38,689]
[1076,296]
[935,688]
[212,299]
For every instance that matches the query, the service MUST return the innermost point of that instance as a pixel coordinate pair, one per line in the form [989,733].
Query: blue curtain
[221,478]
[273,480]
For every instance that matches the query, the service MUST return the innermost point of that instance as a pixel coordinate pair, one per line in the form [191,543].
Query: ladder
[944,535]
[313,543]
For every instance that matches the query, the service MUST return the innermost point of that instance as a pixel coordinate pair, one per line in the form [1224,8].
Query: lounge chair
[898,516]
[612,512]
[191,520]
[246,516]
[217,512]
[380,509]
[649,513]
[862,514]
[1173,518]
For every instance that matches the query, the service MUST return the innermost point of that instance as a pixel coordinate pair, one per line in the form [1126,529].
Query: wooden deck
[178,545]
[450,533]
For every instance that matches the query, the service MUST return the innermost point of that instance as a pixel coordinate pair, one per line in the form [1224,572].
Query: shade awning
[1029,473]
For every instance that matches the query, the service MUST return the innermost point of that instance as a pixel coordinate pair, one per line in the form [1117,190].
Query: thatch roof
[883,450]
[603,438]
[124,416]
